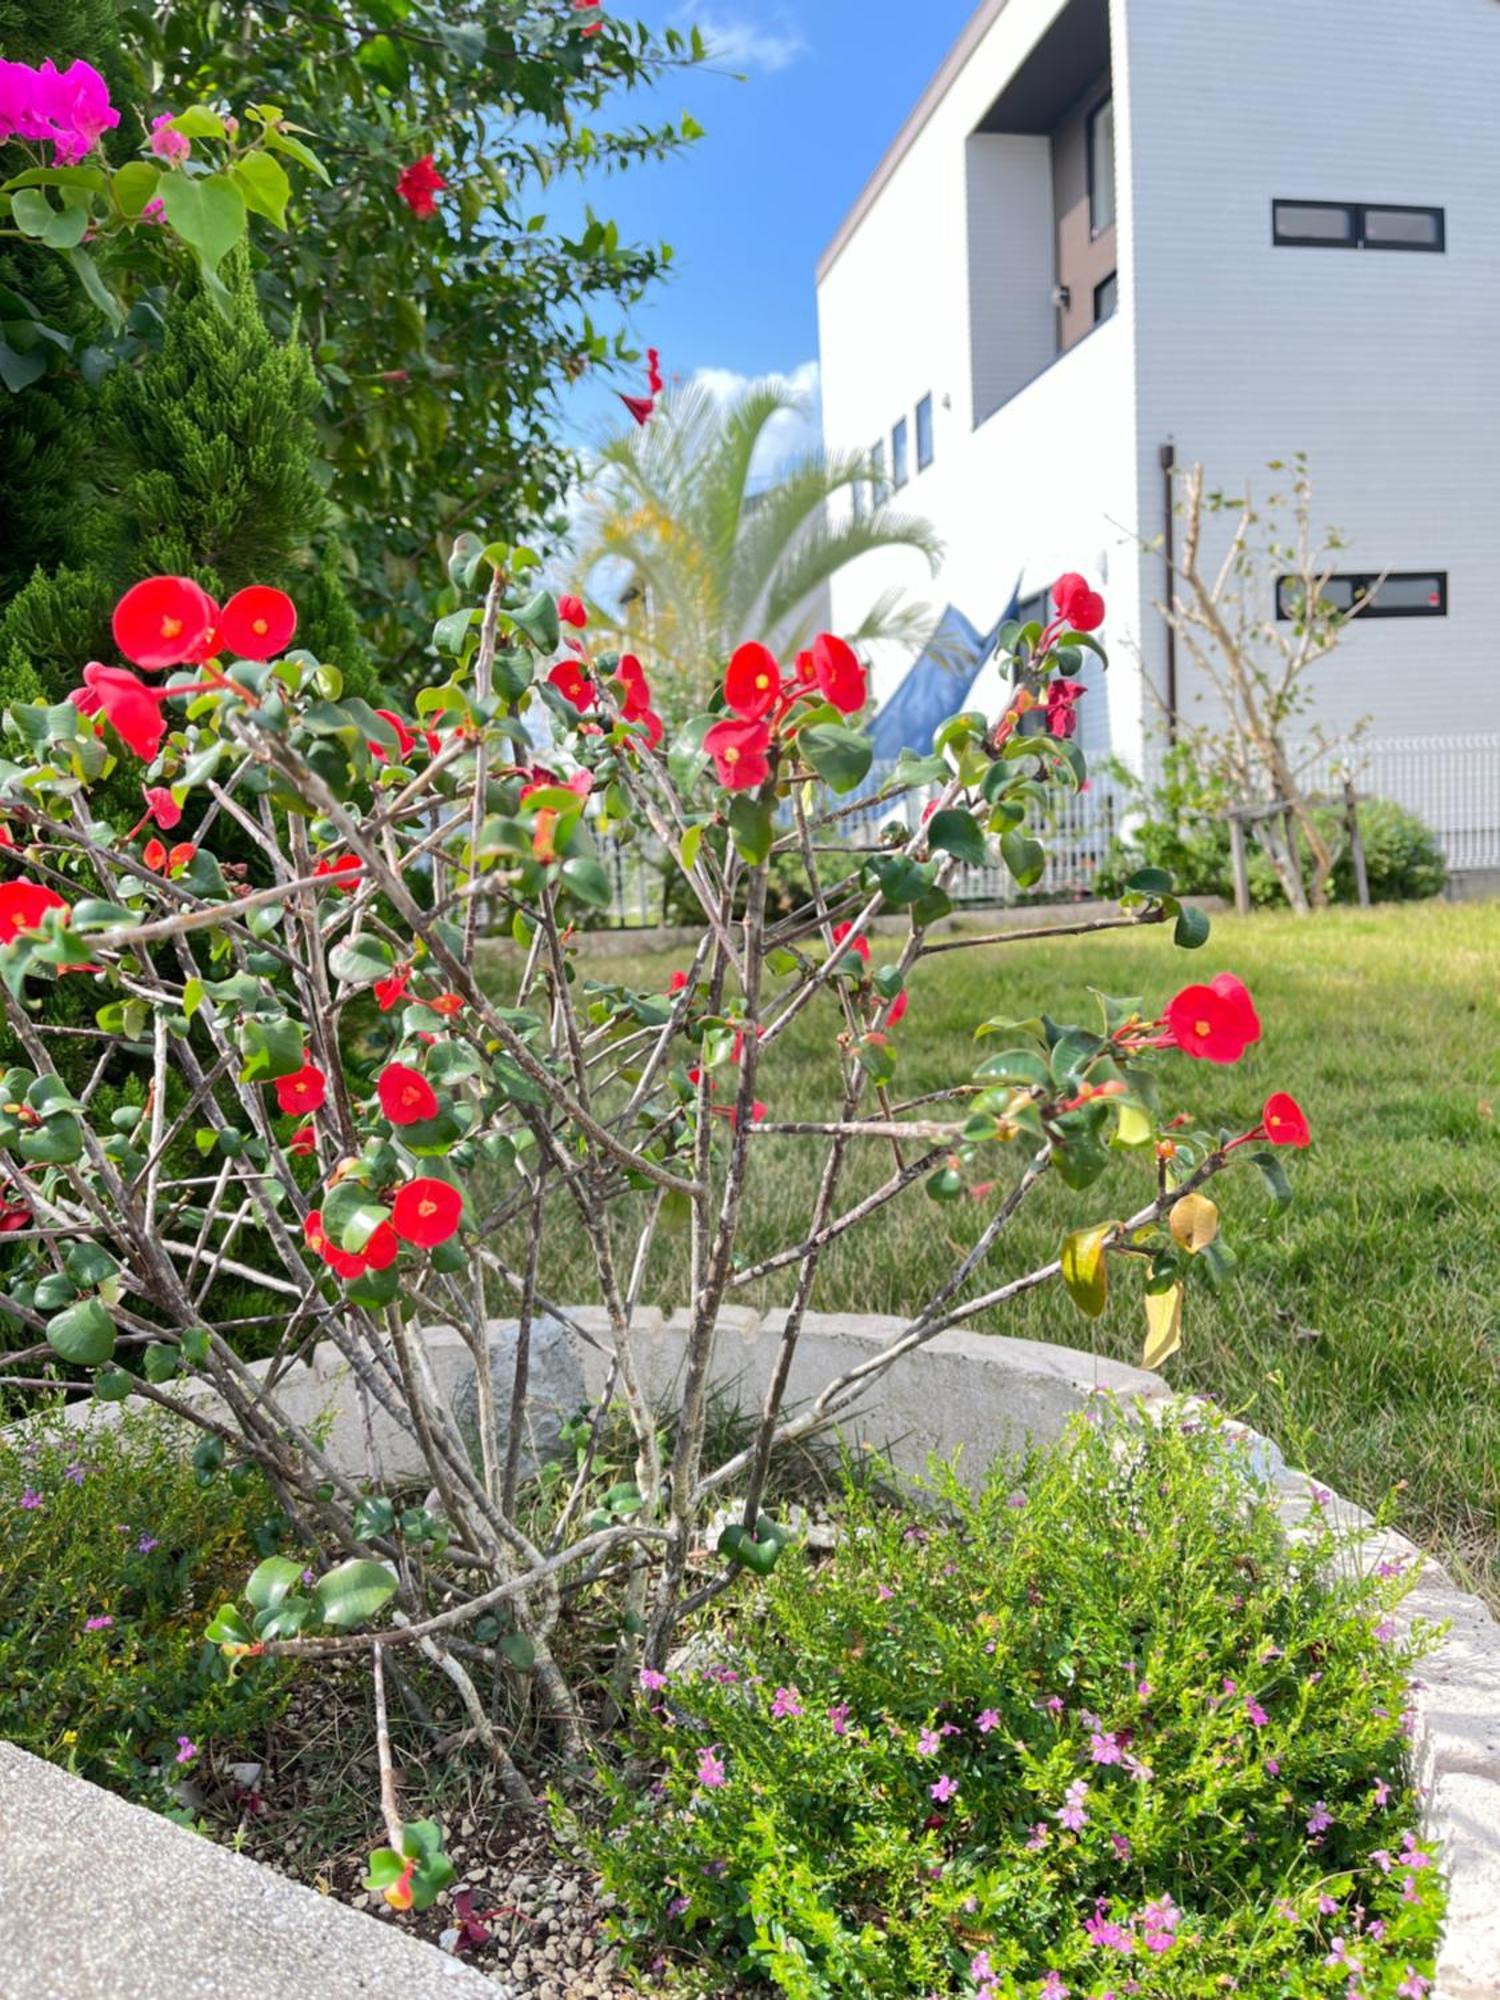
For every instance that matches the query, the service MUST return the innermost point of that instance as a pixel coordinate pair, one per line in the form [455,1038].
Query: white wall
[1382,366]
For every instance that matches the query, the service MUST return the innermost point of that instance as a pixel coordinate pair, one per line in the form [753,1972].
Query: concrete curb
[962,1392]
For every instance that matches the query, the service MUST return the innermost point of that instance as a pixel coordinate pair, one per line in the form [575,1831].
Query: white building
[1227,230]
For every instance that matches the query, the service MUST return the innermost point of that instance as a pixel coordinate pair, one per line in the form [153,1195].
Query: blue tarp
[934,686]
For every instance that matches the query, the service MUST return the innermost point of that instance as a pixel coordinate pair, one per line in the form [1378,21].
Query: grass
[1361,1328]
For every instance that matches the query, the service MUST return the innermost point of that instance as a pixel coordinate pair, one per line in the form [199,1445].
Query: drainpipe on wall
[1168,458]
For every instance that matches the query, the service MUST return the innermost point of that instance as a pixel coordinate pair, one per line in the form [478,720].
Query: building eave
[979,22]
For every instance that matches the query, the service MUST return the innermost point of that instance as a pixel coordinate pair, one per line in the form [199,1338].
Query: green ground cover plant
[1101,1729]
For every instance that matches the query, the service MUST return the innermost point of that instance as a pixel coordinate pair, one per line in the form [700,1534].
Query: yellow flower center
[427,1208]
[731,755]
[762,680]
[1200,1028]
[170,627]
[259,627]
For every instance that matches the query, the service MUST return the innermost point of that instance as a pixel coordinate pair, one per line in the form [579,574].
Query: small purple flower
[1159,1921]
[1104,1747]
[1139,1770]
[980,1969]
[187,1750]
[1412,1856]
[1272,1767]
[1385,1630]
[678,1904]
[1055,1704]
[1339,1955]
[1381,1857]
[987,1720]
[928,1743]
[883,1593]
[1256,1713]
[1327,1904]
[1321,1495]
[1143,1689]
[1017,1499]
[1319,1820]
[1103,1931]
[100,1624]
[945,1789]
[1041,1833]
[77,1473]
[1381,1790]
[1052,1987]
[1121,1845]
[652,1681]
[1413,1986]
[1071,1814]
[838,1716]
[711,1772]
[1390,1566]
[786,1702]
[30,1499]
[146,1543]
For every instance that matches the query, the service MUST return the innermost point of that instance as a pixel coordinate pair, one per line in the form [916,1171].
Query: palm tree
[705,558]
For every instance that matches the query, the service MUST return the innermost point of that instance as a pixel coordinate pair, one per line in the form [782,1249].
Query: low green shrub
[115,1553]
[1099,1730]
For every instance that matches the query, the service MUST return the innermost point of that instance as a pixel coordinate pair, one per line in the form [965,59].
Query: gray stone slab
[100,1900]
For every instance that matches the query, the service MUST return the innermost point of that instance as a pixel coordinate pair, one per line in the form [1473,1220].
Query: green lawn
[1362,1328]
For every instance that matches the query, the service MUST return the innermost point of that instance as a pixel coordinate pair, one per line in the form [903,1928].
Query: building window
[899,469]
[1354,225]
[924,433]
[877,472]
[1106,298]
[1416,593]
[1101,156]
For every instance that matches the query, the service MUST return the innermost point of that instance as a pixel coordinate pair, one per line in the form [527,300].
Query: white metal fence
[1451,782]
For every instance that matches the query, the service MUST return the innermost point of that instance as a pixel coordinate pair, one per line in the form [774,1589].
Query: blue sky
[751,206]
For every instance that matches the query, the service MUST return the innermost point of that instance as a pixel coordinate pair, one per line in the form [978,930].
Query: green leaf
[361,961]
[87,273]
[1084,1268]
[1023,856]
[586,879]
[959,834]
[208,214]
[519,1650]
[352,1593]
[227,1627]
[198,122]
[538,620]
[84,1333]
[1150,882]
[264,186]
[1018,1066]
[375,1515]
[1192,927]
[134,185]
[840,756]
[271,1049]
[159,1363]
[449,633]
[270,1581]
[113,1385]
[750,828]
[1273,1173]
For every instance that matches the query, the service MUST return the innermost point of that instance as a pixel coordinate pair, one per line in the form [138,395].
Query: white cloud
[768,44]
[790,435]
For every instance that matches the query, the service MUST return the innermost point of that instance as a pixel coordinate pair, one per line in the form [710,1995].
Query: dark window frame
[1110,278]
[1364,581]
[1356,239]
[900,455]
[1098,229]
[925,404]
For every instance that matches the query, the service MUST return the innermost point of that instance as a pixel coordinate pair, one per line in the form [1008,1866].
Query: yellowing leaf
[1163,1326]
[1083,1268]
[1194,1223]
[1135,1127]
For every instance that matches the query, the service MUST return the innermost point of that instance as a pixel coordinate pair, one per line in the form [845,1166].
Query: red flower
[304,1140]
[860,946]
[162,807]
[257,623]
[154,855]
[165,621]
[739,753]
[426,1212]
[1061,696]
[1082,608]
[1217,1022]
[383,1247]
[417,184]
[1285,1122]
[678,983]
[312,1230]
[304,1091]
[753,680]
[345,868]
[406,1097]
[898,1008]
[570,610]
[839,673]
[572,683]
[594,9]
[180,856]
[389,991]
[347,1263]
[640,407]
[404,738]
[806,671]
[652,723]
[447,1003]
[23,905]
[128,704]
[631,677]
[653,371]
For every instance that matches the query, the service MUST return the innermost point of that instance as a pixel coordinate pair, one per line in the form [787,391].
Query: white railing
[1451,782]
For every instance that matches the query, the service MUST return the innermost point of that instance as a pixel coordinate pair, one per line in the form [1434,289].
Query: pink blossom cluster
[69,108]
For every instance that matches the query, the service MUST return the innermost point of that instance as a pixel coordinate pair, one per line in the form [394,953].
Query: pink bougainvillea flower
[164,621]
[630,678]
[838,672]
[174,147]
[739,751]
[68,108]
[344,869]
[406,1097]
[1284,1121]
[303,1141]
[640,407]
[571,611]
[129,706]
[860,945]
[24,906]
[1080,607]
[417,186]
[752,681]
[1216,1022]
[257,623]
[426,1213]
[1061,698]
[390,992]
[305,1090]
[572,683]
[162,807]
